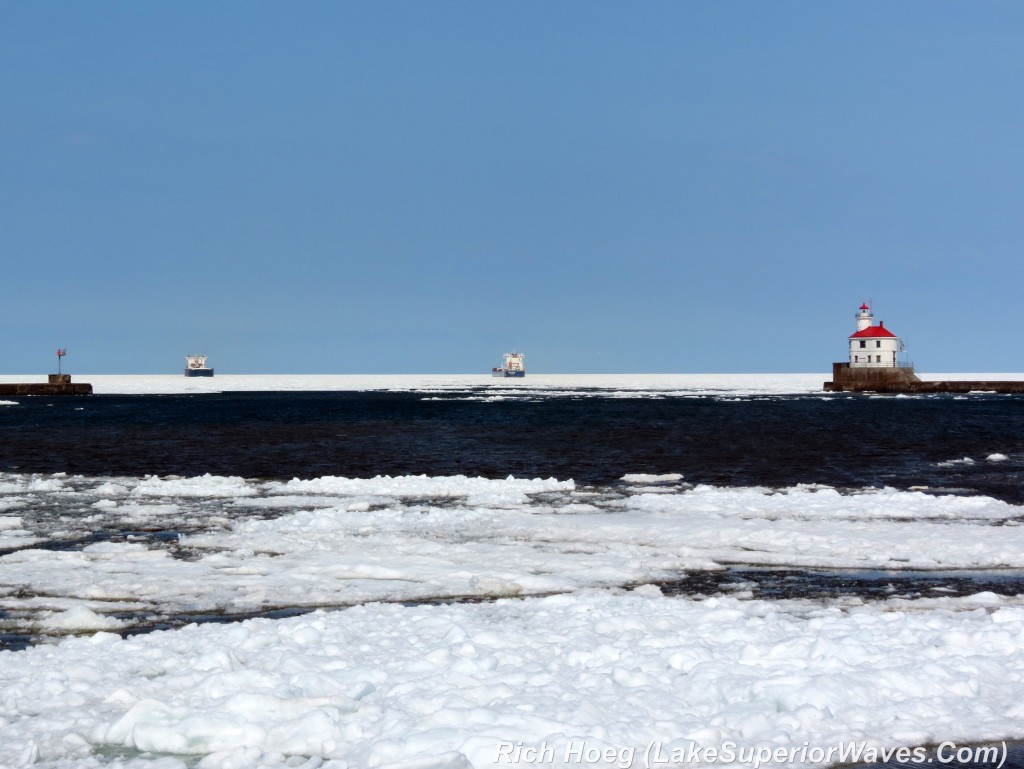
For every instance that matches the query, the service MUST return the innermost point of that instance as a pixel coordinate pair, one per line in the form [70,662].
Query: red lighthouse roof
[864,307]
[872,332]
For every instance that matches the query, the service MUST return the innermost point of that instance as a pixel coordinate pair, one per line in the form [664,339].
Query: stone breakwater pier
[902,379]
[56,384]
[874,366]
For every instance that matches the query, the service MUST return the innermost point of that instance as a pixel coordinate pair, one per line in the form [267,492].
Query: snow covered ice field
[471,622]
[542,385]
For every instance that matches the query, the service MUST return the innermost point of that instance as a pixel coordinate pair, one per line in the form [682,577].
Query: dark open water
[774,441]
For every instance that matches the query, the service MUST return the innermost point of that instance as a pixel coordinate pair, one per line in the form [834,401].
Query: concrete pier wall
[57,384]
[902,379]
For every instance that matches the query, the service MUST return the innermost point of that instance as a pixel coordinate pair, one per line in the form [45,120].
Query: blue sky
[419,187]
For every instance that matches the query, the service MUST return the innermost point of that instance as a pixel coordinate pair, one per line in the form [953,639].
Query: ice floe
[563,653]
[459,686]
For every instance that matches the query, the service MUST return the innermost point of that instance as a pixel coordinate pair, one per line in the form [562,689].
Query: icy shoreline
[448,686]
[229,545]
[591,664]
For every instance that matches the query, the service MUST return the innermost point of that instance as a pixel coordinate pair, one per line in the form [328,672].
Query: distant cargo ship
[195,365]
[513,366]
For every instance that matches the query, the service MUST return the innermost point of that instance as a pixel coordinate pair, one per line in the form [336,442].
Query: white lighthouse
[873,364]
[873,346]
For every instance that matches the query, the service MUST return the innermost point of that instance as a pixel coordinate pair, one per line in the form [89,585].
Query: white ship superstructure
[195,365]
[513,366]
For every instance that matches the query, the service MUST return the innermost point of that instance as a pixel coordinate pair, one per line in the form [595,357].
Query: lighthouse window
[878,344]
[863,343]
[878,359]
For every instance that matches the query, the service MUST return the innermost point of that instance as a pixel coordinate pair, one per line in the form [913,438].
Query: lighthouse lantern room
[873,346]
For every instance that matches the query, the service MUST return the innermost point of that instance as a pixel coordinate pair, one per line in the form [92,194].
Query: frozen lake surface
[605,571]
